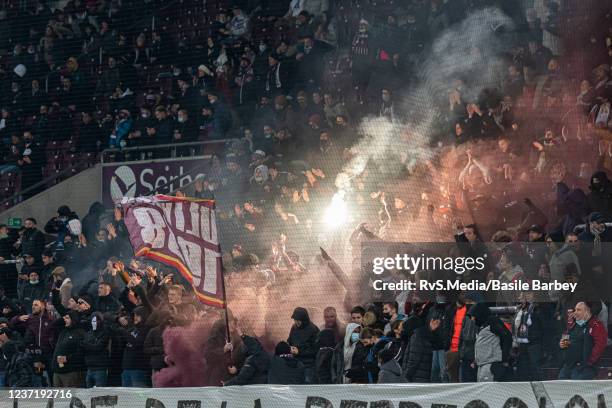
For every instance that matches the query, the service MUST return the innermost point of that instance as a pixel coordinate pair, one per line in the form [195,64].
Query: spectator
[255,368]
[18,369]
[493,344]
[303,340]
[136,368]
[390,370]
[417,362]
[284,367]
[96,345]
[68,364]
[324,373]
[32,241]
[330,318]
[583,344]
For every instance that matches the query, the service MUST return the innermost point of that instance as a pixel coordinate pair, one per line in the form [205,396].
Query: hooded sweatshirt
[96,344]
[390,373]
[343,355]
[494,340]
[600,197]
[304,337]
[69,345]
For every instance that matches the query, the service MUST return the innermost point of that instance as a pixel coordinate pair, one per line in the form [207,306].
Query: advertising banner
[136,179]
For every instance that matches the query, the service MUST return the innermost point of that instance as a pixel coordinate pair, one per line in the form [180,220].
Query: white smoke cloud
[470,52]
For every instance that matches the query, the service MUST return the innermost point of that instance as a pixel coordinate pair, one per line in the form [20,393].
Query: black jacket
[287,370]
[304,337]
[323,366]
[18,366]
[154,347]
[255,367]
[106,304]
[69,344]
[95,346]
[33,243]
[418,355]
[134,357]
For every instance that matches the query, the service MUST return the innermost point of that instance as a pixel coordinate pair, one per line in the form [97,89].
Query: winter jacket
[154,347]
[600,197]
[29,292]
[255,367]
[558,263]
[91,221]
[467,341]
[38,333]
[323,366]
[69,344]
[287,370]
[33,243]
[134,357]
[96,346]
[358,373]
[391,373]
[106,304]
[19,366]
[418,356]
[304,337]
[587,343]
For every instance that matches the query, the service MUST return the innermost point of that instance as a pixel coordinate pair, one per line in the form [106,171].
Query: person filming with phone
[582,344]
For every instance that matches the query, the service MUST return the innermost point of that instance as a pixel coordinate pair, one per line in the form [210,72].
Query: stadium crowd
[290,82]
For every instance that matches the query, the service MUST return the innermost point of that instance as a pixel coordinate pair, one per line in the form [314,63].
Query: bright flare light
[337,212]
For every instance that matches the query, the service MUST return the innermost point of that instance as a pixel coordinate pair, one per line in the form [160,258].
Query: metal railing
[153,152]
[16,197]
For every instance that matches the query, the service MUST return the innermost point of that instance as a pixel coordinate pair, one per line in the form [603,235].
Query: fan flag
[179,232]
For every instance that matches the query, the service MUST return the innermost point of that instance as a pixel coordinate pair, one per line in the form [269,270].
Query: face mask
[144,115]
[580,322]
[182,119]
[262,48]
[354,337]
[2,236]
[34,282]
[387,316]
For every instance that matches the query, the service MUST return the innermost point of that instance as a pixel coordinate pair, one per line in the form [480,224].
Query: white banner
[563,394]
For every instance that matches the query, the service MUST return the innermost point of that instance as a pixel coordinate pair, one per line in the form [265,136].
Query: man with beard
[32,241]
[39,337]
[330,317]
[303,341]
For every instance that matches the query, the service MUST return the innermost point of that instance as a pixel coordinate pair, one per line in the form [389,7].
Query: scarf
[596,241]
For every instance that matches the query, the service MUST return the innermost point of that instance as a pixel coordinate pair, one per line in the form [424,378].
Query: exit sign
[14,223]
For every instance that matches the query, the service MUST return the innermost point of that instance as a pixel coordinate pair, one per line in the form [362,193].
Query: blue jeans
[2,379]
[96,378]
[577,373]
[438,367]
[134,378]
